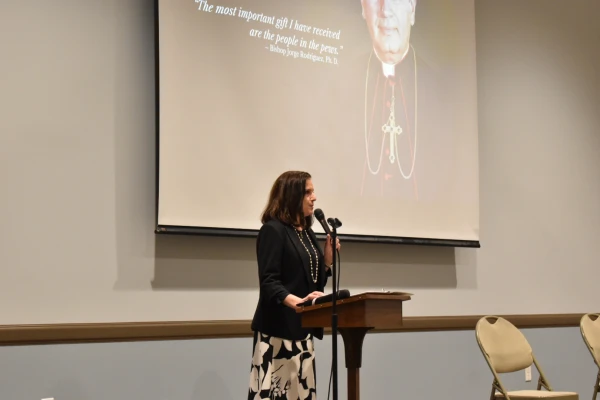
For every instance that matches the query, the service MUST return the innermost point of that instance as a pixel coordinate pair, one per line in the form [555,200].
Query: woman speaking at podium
[292,269]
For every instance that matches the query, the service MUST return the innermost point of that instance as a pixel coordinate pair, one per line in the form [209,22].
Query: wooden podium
[356,316]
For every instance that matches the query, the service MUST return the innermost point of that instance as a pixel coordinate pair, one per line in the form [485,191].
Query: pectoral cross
[392,129]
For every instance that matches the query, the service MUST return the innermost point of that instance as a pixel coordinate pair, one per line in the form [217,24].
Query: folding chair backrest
[590,330]
[505,346]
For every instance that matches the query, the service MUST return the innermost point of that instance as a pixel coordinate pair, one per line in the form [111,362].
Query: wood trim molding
[11,335]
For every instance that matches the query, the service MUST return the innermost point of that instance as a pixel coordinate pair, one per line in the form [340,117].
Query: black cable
[339,271]
[338,286]
[330,378]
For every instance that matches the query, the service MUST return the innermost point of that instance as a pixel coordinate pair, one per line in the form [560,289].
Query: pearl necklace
[313,274]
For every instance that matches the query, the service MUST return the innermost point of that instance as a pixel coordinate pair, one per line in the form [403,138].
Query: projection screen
[376,99]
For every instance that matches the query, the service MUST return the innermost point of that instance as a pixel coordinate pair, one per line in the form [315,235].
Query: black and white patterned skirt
[282,369]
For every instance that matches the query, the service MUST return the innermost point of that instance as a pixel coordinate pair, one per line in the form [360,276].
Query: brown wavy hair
[286,199]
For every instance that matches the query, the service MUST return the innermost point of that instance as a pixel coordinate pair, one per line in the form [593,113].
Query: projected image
[390,93]
[375,98]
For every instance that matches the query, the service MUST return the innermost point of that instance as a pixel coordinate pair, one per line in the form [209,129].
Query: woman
[291,269]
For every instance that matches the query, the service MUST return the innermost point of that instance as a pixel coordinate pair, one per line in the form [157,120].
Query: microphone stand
[334,316]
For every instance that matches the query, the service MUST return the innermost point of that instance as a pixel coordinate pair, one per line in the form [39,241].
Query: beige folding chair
[506,350]
[590,330]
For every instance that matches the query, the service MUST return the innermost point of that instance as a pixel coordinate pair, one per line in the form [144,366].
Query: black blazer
[284,268]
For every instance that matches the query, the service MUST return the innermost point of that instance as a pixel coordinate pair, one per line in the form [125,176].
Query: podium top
[380,310]
[365,296]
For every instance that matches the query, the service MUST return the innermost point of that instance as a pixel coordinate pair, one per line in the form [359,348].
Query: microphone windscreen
[341,294]
[319,214]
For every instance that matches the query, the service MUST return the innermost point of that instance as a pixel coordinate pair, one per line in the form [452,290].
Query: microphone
[321,218]
[341,294]
[334,222]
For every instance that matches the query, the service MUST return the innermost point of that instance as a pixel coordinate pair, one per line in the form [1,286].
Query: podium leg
[353,342]
[353,383]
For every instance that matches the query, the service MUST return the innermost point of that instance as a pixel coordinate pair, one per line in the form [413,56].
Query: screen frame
[253,233]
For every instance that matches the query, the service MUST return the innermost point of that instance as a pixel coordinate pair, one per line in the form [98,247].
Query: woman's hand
[293,301]
[329,250]
[312,295]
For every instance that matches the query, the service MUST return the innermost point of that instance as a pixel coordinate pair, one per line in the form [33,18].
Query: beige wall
[77,173]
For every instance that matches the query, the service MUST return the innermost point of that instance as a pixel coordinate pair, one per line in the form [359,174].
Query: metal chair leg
[596,386]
